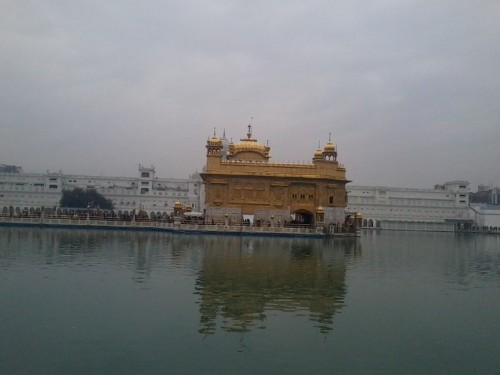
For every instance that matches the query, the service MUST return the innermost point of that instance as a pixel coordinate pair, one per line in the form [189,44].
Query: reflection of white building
[24,191]
[443,208]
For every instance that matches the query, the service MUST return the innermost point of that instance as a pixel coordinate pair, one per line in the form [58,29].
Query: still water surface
[115,302]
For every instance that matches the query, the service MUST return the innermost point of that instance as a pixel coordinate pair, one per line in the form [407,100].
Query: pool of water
[118,302]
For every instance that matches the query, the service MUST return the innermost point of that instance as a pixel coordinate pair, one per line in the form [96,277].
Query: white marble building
[486,216]
[146,192]
[445,207]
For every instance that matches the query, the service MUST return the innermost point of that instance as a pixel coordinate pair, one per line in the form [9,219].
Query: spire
[249,134]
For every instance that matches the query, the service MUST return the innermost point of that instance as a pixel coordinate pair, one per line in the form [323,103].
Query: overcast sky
[409,90]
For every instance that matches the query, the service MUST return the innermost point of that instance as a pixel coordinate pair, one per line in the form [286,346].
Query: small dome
[329,147]
[318,153]
[214,139]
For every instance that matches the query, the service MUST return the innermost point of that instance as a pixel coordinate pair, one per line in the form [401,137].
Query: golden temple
[242,185]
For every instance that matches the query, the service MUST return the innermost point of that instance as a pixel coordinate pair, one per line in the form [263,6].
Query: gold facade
[241,180]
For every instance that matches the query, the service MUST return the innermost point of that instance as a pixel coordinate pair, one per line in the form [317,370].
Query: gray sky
[410,90]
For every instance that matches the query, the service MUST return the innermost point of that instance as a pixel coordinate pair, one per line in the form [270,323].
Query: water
[116,302]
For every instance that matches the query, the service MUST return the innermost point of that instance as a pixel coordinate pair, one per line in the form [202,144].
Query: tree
[79,198]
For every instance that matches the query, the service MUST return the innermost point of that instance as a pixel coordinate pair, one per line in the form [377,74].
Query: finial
[249,134]
[319,144]
[214,131]
[224,133]
[329,137]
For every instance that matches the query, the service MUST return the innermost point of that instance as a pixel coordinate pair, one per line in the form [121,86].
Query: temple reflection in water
[244,279]
[239,281]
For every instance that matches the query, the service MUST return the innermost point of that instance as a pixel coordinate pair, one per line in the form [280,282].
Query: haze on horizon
[409,90]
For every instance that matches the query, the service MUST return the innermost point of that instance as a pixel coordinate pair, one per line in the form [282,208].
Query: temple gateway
[243,186]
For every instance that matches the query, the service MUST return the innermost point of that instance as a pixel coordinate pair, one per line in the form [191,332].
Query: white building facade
[486,217]
[21,192]
[444,208]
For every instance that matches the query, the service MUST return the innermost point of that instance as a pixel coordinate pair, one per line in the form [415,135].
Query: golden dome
[250,146]
[214,139]
[318,153]
[329,147]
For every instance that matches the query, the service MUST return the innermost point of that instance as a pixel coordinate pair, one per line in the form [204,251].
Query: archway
[302,217]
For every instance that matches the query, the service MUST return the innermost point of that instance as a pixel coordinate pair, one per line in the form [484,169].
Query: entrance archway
[302,217]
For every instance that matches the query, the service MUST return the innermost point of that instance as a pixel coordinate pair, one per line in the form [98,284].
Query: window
[145,174]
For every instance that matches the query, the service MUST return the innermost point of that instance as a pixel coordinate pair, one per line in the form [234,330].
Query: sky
[408,90]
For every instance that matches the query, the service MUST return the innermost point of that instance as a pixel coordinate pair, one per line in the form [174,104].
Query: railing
[151,224]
